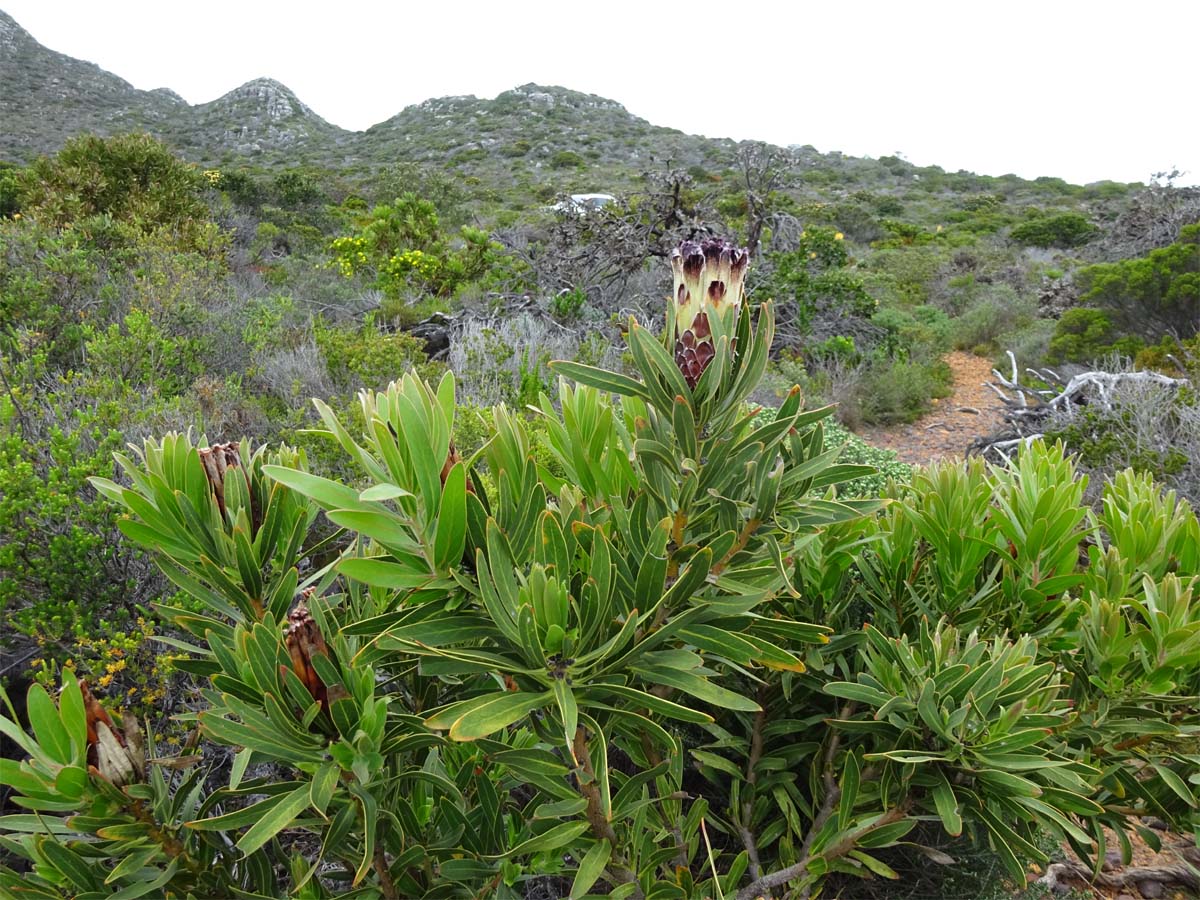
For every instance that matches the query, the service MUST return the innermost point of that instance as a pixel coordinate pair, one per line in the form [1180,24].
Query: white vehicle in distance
[582,204]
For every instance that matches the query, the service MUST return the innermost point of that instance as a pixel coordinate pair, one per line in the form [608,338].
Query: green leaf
[552,839]
[241,759]
[383,492]
[698,687]
[380,525]
[29,824]
[591,867]
[133,862]
[78,872]
[947,805]
[651,702]
[370,817]
[1175,783]
[450,540]
[879,868]
[71,782]
[328,494]
[849,690]
[142,888]
[247,815]
[323,785]
[498,712]
[276,819]
[73,715]
[851,776]
[720,763]
[384,573]
[569,710]
[612,382]
[47,726]
[651,356]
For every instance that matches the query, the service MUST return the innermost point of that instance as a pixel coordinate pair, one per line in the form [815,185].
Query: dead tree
[1029,412]
[1154,219]
[601,251]
[763,171]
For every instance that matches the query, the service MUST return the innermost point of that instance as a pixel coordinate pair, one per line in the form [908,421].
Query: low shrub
[1086,335]
[893,391]
[991,315]
[1064,231]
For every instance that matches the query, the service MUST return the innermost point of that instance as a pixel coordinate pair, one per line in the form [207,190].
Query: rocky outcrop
[262,115]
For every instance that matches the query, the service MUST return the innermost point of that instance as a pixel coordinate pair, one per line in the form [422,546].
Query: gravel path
[948,429]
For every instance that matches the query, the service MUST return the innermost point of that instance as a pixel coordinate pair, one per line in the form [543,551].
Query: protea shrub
[672,664]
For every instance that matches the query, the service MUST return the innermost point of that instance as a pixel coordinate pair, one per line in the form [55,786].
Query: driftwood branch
[1029,412]
[1181,874]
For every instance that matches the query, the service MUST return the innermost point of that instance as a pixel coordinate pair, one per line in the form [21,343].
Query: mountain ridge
[532,138]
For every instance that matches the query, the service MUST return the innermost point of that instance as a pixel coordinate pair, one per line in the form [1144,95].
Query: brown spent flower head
[115,753]
[303,640]
[709,278]
[217,461]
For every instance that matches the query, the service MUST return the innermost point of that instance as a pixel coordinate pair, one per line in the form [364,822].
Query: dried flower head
[218,460]
[114,752]
[303,641]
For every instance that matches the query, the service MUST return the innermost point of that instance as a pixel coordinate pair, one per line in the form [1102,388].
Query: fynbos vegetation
[378,520]
[655,656]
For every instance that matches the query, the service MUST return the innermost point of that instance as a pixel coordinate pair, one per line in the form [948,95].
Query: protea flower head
[115,752]
[709,277]
[218,460]
[303,640]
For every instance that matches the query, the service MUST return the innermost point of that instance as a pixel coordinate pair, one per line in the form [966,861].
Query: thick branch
[765,884]
[739,545]
[386,886]
[1122,878]
[756,746]
[601,827]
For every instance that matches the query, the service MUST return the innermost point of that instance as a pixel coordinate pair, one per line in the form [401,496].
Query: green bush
[133,178]
[567,651]
[1065,230]
[62,572]
[893,391]
[1086,335]
[402,245]
[366,357]
[567,159]
[10,191]
[814,280]
[990,316]
[1154,295]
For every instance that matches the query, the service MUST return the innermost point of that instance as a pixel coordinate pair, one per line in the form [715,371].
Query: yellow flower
[105,680]
[839,236]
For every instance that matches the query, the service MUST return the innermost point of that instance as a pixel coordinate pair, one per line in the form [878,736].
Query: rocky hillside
[46,97]
[526,145]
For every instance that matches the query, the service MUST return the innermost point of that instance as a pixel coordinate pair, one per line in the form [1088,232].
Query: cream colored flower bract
[709,277]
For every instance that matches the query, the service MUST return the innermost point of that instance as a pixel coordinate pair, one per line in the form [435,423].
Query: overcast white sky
[1080,90]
